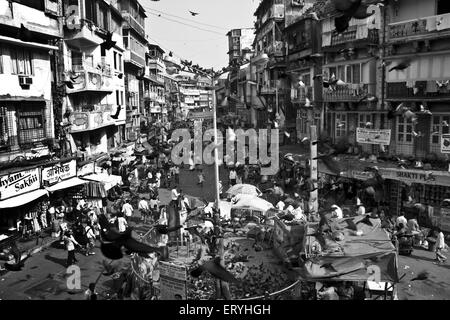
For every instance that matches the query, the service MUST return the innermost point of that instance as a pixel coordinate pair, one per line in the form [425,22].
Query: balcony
[353,34]
[275,12]
[348,93]
[133,58]
[156,78]
[90,81]
[91,120]
[422,28]
[14,14]
[269,88]
[80,65]
[277,48]
[133,24]
[299,95]
[399,91]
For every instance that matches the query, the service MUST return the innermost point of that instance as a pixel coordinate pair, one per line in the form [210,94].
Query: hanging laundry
[410,84]
[431,87]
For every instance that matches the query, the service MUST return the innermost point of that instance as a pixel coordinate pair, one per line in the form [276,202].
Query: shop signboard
[417,176]
[373,136]
[86,169]
[362,175]
[172,281]
[18,183]
[445,143]
[59,172]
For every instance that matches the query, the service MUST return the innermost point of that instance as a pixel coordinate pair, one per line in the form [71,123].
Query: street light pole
[216,152]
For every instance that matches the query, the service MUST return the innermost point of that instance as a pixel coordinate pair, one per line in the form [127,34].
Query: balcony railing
[418,27]
[276,48]
[399,90]
[84,80]
[270,87]
[353,34]
[132,23]
[349,92]
[299,95]
[80,65]
[99,117]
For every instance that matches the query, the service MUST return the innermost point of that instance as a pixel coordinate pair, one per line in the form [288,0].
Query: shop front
[22,205]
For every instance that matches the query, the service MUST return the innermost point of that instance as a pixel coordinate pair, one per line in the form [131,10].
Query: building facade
[28,42]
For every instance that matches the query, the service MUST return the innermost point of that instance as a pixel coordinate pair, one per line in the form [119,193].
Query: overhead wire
[188,25]
[190,20]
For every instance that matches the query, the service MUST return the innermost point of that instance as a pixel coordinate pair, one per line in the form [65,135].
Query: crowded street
[301,154]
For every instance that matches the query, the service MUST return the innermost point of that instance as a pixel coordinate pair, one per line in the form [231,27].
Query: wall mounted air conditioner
[25,81]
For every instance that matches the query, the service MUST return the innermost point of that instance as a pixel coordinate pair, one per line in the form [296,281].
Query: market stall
[354,250]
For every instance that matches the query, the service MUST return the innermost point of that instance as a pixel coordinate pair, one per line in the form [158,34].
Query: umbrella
[247,189]
[251,202]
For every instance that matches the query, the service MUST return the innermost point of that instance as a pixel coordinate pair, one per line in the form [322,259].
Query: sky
[206,48]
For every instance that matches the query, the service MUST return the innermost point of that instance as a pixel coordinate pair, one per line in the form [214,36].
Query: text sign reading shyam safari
[373,136]
[17,183]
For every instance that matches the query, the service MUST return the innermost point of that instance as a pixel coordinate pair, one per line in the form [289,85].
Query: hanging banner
[373,136]
[445,143]
[172,281]
[21,182]
[58,172]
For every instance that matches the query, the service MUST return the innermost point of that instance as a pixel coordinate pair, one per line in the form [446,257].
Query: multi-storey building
[304,61]
[154,88]
[135,43]
[28,34]
[91,59]
[240,42]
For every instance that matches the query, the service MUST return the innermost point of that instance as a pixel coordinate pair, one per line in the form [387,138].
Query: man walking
[176,171]
[70,243]
[440,246]
[143,209]
[127,209]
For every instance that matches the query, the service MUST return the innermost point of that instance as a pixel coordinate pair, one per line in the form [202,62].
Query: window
[121,97]
[4,135]
[22,61]
[103,23]
[117,97]
[363,119]
[115,60]
[437,129]
[1,59]
[31,124]
[120,62]
[91,10]
[405,139]
[341,125]
[348,73]
[443,6]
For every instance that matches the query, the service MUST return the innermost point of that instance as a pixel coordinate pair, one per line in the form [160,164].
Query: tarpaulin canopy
[109,180]
[22,199]
[349,250]
[372,267]
[72,182]
[241,188]
[244,201]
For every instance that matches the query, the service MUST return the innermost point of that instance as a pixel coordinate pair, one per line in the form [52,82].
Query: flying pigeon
[425,110]
[401,66]
[215,269]
[24,34]
[423,275]
[307,103]
[112,242]
[164,229]
[193,13]
[302,84]
[317,76]
[314,16]
[445,123]
[369,124]
[442,84]
[108,44]
[116,115]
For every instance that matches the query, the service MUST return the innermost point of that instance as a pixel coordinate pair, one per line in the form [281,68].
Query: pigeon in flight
[193,13]
[401,66]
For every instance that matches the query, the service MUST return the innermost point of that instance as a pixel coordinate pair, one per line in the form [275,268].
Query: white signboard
[88,168]
[172,281]
[373,136]
[17,183]
[445,143]
[58,172]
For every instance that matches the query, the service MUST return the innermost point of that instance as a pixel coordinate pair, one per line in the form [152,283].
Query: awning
[22,199]
[72,182]
[109,181]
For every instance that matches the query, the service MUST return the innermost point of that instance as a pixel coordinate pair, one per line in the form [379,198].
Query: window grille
[31,124]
